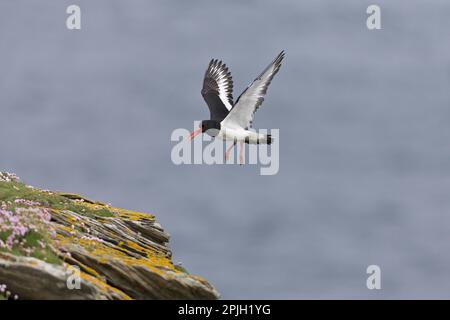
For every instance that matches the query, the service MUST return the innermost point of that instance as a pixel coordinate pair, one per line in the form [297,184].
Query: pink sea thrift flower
[16,223]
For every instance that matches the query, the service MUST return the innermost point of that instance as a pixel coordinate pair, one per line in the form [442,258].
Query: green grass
[31,240]
[10,191]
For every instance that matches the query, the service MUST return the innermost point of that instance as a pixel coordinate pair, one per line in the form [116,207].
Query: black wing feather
[217,90]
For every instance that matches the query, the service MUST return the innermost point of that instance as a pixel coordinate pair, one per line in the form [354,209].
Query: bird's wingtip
[279,58]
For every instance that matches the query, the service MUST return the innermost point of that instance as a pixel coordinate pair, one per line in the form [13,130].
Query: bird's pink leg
[241,148]
[227,153]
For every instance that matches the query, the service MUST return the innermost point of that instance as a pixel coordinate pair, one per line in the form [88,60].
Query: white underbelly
[239,135]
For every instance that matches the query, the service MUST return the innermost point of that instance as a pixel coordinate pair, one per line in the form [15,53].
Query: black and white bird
[232,121]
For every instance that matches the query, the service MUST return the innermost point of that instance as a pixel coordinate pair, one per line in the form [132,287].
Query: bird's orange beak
[195,133]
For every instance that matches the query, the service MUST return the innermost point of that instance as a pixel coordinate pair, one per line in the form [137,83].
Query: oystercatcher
[231,121]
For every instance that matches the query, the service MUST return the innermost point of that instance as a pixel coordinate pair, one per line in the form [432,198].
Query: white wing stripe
[223,83]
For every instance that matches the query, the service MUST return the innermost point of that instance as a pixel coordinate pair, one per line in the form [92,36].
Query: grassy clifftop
[57,245]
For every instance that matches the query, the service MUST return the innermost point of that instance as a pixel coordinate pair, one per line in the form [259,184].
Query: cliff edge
[57,245]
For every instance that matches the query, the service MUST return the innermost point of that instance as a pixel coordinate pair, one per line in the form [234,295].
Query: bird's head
[211,127]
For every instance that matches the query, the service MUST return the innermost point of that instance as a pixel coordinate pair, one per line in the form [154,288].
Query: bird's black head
[211,127]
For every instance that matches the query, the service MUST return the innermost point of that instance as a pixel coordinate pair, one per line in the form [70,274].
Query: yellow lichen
[133,215]
[104,287]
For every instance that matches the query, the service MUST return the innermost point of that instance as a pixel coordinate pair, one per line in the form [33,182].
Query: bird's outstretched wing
[218,90]
[241,115]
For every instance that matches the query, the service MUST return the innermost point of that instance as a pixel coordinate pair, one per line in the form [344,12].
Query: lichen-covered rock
[63,246]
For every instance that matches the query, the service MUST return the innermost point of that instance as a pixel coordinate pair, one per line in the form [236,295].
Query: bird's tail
[259,139]
[265,139]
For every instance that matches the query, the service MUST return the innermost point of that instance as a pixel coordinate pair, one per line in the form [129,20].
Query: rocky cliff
[57,245]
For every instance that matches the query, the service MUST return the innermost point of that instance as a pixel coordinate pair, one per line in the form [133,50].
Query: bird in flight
[232,121]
